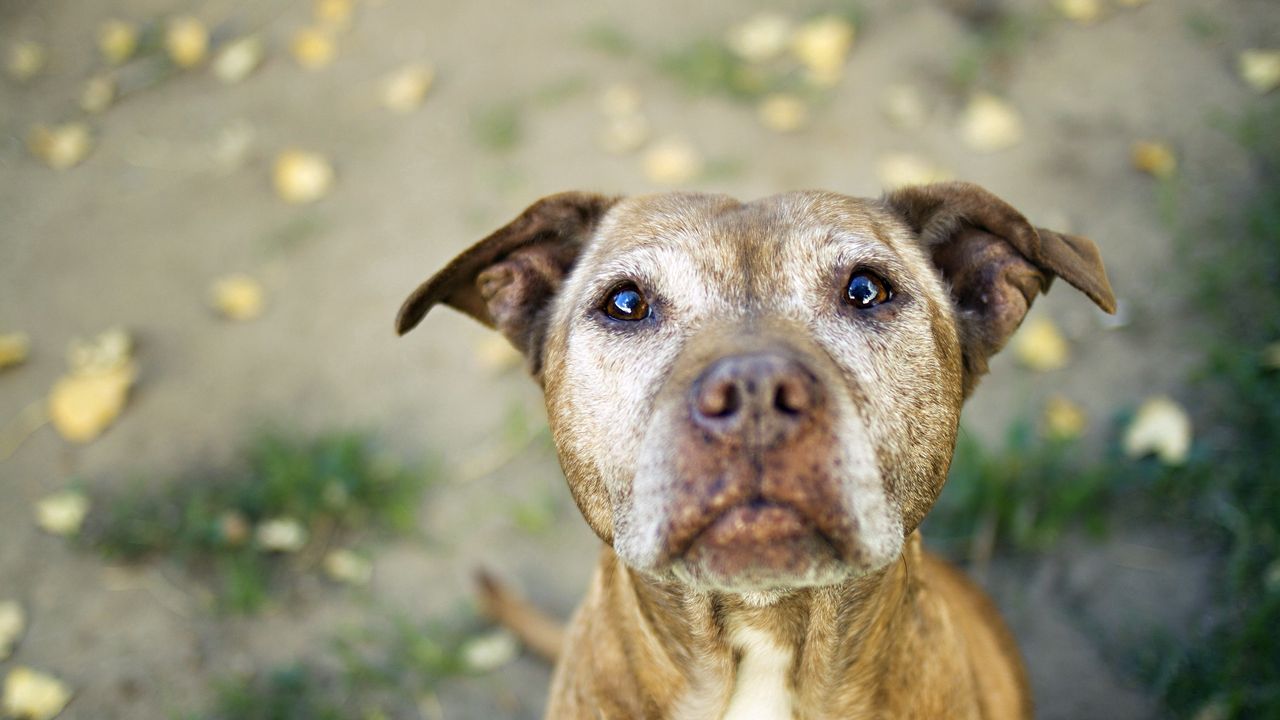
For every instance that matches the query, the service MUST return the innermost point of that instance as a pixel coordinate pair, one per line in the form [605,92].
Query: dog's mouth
[758,543]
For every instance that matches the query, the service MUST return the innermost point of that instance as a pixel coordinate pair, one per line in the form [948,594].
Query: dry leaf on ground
[335,14]
[117,40]
[14,349]
[619,100]
[901,169]
[348,567]
[32,695]
[237,297]
[186,39]
[1040,346]
[1160,427]
[1084,12]
[82,405]
[25,60]
[406,88]
[822,44]
[759,38]
[239,59]
[783,112]
[62,513]
[624,134]
[61,147]
[905,107]
[283,534]
[672,161]
[1063,419]
[98,94]
[302,177]
[990,124]
[1154,158]
[13,622]
[1260,69]
[313,48]
[491,651]
[1271,356]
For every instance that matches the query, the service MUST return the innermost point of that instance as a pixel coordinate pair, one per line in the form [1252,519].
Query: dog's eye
[866,290]
[627,303]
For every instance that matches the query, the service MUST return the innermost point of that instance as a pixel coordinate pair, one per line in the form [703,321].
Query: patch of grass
[1230,488]
[331,486]
[993,48]
[708,67]
[609,40]
[1022,496]
[498,127]
[297,692]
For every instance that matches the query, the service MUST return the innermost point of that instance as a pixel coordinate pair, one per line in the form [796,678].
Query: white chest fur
[761,689]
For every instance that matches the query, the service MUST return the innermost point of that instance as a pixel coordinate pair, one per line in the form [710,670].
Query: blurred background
[229,491]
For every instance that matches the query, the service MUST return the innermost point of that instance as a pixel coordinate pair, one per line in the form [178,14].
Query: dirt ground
[135,235]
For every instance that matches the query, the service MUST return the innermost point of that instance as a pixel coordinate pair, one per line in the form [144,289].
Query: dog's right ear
[508,279]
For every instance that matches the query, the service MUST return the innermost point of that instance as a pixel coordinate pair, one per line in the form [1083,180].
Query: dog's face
[750,397]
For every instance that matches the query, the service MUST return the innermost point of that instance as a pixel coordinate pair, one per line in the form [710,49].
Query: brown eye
[866,290]
[626,303]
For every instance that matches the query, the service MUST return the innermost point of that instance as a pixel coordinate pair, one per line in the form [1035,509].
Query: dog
[755,405]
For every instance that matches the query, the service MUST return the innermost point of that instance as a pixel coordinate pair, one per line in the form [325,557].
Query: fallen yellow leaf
[13,622]
[1063,419]
[186,39]
[282,534]
[239,59]
[490,651]
[110,350]
[117,40]
[905,107]
[406,88]
[25,60]
[496,354]
[1154,158]
[620,100]
[990,124]
[1260,69]
[31,695]
[672,161]
[62,513]
[782,112]
[14,348]
[624,134]
[61,147]
[759,38]
[1271,356]
[82,405]
[1040,347]
[821,45]
[1084,12]
[901,169]
[333,13]
[1160,427]
[313,48]
[237,297]
[302,177]
[347,567]
[99,92]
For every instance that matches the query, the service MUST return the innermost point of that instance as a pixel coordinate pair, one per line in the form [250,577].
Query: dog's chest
[762,688]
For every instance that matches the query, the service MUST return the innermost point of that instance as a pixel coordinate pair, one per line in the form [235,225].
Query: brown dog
[755,405]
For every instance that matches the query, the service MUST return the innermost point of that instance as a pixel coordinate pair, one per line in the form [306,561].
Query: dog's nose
[760,399]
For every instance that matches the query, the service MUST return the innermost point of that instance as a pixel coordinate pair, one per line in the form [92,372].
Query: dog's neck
[764,653]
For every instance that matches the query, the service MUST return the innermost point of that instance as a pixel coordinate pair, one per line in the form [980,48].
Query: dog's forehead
[719,226]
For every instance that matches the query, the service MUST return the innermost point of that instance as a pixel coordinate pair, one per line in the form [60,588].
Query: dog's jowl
[755,404]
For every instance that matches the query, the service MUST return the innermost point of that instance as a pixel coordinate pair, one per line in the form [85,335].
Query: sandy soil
[135,235]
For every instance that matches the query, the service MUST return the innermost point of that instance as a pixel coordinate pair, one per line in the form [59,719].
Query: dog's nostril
[791,398]
[721,400]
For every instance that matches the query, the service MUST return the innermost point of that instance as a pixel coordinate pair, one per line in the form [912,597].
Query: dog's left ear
[508,279]
[995,262]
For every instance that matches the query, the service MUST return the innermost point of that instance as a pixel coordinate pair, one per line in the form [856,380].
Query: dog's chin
[760,548]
